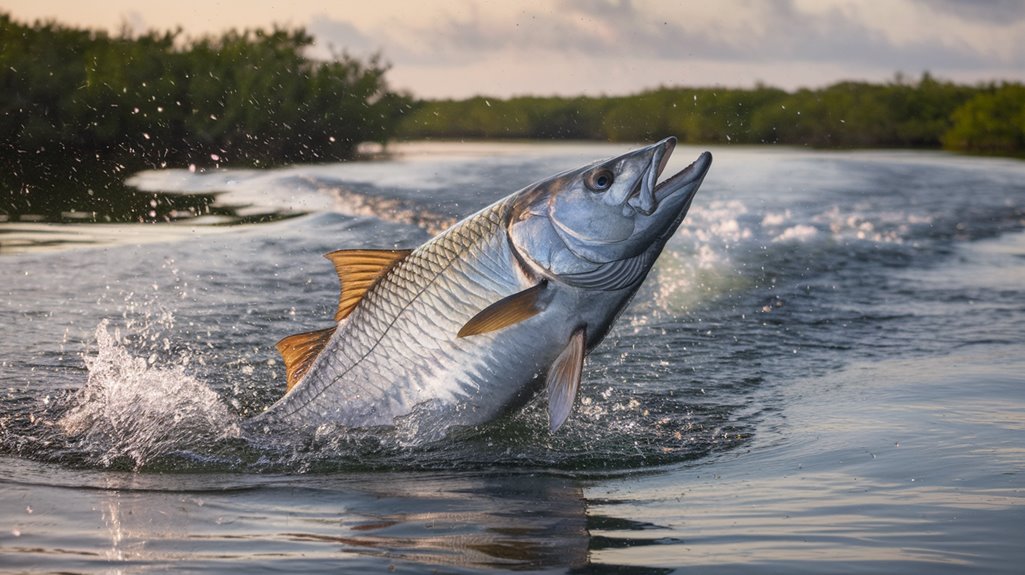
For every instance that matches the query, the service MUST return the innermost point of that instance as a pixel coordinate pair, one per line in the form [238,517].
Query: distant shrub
[922,114]
[249,97]
[991,122]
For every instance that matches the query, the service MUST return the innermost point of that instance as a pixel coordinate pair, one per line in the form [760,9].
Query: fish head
[609,211]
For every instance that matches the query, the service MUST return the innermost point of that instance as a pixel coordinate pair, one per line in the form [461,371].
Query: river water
[825,372]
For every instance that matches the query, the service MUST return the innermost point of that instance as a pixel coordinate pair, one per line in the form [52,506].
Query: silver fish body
[474,322]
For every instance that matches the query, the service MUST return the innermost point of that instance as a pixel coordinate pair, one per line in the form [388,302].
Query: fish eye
[599,181]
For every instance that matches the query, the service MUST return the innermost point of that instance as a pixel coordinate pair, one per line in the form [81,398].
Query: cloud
[595,28]
[999,12]
[847,38]
[786,39]
[134,21]
[770,31]
[337,35]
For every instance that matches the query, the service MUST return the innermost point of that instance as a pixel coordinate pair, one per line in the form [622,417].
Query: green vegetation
[89,107]
[251,97]
[992,121]
[923,114]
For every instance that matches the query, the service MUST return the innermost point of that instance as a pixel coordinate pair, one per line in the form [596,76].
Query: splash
[133,410]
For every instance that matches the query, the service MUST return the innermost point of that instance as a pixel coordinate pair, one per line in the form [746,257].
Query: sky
[461,48]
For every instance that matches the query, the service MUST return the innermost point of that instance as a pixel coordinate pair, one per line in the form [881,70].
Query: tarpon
[467,326]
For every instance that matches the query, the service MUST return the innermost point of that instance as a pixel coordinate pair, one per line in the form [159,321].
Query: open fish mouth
[649,194]
[685,180]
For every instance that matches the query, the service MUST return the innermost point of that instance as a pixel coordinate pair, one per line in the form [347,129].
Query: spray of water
[134,410]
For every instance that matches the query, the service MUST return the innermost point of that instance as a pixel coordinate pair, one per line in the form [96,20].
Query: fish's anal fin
[564,379]
[358,270]
[299,351]
[505,312]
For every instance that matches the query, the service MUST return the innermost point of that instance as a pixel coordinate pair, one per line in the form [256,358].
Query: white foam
[775,219]
[797,233]
[133,408]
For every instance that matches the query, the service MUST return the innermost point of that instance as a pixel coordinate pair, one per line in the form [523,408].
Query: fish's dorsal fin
[564,379]
[299,351]
[358,270]
[505,312]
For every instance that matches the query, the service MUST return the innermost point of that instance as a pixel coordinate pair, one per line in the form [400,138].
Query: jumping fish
[468,325]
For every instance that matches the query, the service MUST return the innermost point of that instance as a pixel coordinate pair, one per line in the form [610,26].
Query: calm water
[824,373]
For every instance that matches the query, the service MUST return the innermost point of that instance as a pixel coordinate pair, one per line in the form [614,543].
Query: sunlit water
[824,373]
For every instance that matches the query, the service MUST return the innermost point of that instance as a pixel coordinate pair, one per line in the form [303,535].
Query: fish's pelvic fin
[358,271]
[505,312]
[564,379]
[299,351]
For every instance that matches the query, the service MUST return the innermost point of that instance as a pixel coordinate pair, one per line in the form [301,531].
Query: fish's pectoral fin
[564,379]
[299,351]
[505,312]
[358,271]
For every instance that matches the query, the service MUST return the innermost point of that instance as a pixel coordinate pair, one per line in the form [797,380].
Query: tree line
[925,113]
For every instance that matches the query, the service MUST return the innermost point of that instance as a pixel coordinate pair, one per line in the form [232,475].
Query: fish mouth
[687,180]
[649,195]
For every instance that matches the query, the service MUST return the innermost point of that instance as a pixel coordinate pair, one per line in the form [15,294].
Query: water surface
[823,373]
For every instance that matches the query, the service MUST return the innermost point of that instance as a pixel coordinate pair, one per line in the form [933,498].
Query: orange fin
[564,380]
[299,351]
[358,270]
[505,312]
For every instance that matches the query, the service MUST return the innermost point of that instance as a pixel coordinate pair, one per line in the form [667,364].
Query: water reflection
[513,522]
[36,207]
[79,194]
[365,522]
